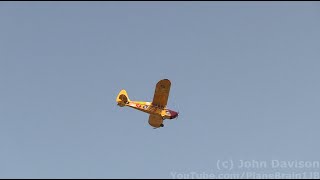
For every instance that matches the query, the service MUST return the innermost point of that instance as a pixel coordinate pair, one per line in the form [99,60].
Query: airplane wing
[161,93]
[155,120]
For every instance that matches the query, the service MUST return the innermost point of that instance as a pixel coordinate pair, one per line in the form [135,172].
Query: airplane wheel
[161,125]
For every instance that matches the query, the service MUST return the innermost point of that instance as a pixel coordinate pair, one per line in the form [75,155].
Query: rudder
[122,98]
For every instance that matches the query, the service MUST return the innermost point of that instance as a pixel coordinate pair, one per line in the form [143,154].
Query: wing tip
[165,80]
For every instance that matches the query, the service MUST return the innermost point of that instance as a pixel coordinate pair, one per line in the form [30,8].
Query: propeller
[178,111]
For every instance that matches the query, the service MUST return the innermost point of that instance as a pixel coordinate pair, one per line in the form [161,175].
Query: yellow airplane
[157,108]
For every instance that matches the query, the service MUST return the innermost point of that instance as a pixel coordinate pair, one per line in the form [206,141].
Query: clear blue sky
[245,78]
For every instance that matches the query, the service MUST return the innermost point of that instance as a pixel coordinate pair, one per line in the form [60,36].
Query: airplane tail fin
[122,98]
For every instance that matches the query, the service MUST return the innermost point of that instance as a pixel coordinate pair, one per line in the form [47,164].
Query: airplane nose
[174,115]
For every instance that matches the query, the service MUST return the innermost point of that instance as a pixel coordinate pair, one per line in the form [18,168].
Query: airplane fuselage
[149,108]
